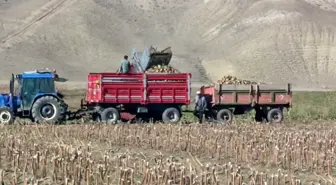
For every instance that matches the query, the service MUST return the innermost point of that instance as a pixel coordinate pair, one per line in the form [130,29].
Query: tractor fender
[40,95]
[55,95]
[58,96]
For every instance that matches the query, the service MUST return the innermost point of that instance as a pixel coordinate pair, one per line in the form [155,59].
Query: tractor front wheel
[6,115]
[46,109]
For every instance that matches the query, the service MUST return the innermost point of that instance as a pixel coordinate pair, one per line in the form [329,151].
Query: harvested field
[168,154]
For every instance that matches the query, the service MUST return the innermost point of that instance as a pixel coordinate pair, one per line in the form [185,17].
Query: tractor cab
[36,95]
[33,95]
[33,84]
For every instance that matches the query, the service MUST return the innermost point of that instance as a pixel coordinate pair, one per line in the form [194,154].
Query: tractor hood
[151,57]
[4,100]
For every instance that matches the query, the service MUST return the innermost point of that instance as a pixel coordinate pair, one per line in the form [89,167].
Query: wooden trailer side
[249,94]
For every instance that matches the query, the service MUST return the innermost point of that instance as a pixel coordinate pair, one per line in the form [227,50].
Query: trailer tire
[225,116]
[6,115]
[275,115]
[110,115]
[45,106]
[168,113]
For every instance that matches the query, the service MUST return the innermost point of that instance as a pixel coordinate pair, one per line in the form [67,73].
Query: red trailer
[112,96]
[267,100]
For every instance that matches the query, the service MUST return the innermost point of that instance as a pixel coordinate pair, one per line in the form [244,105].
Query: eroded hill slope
[265,40]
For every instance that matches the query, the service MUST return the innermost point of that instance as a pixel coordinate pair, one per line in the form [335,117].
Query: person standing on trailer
[125,65]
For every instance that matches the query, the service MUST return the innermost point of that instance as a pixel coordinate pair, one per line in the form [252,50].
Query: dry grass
[167,154]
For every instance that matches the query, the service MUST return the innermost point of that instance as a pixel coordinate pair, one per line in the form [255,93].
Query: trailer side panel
[139,88]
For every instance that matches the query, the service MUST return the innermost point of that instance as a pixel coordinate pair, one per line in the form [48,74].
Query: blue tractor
[34,97]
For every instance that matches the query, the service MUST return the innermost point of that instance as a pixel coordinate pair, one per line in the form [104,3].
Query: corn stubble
[166,154]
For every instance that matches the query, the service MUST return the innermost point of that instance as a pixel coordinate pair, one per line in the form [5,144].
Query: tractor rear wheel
[6,115]
[46,109]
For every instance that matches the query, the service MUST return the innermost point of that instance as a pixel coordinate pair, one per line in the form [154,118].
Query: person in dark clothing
[200,108]
[197,97]
[208,111]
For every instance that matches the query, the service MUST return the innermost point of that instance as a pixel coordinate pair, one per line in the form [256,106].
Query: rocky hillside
[262,40]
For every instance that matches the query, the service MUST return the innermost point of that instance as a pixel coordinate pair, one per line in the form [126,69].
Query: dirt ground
[264,40]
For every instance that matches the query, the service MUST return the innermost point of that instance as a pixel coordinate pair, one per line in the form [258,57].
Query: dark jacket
[201,104]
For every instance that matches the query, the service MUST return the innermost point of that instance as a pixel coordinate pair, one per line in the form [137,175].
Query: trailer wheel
[171,115]
[46,108]
[6,115]
[275,115]
[110,115]
[225,116]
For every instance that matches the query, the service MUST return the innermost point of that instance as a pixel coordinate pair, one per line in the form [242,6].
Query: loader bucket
[159,58]
[150,57]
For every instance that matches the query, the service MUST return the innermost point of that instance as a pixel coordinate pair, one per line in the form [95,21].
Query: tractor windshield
[31,87]
[38,85]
